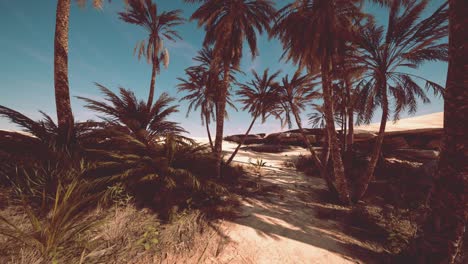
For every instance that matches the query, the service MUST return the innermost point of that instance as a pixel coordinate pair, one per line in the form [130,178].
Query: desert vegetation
[131,186]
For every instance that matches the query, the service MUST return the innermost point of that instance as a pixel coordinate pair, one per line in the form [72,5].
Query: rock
[262,135]
[428,132]
[267,148]
[251,139]
[429,168]
[363,135]
[416,154]
[434,144]
[390,143]
[287,138]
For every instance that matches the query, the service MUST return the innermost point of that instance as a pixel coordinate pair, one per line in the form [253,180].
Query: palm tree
[127,114]
[201,85]
[296,94]
[260,98]
[313,32]
[159,27]
[227,24]
[407,43]
[62,89]
[199,97]
[440,239]
[317,118]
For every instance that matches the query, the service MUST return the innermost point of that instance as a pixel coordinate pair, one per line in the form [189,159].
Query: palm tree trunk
[338,168]
[350,110]
[152,84]
[315,157]
[207,124]
[220,112]
[242,141]
[320,164]
[361,186]
[345,127]
[325,161]
[62,91]
[442,234]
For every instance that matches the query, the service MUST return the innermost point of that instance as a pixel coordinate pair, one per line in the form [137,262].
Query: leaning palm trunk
[207,124]
[62,91]
[338,168]
[324,173]
[152,84]
[361,186]
[315,157]
[320,164]
[220,112]
[243,140]
[442,234]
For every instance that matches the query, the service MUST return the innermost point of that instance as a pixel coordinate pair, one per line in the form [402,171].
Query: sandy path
[280,225]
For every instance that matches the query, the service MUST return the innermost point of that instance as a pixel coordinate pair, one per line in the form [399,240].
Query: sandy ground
[283,225]
[280,225]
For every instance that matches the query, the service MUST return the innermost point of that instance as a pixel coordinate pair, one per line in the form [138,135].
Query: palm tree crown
[144,13]
[407,43]
[228,22]
[297,92]
[126,112]
[159,27]
[260,96]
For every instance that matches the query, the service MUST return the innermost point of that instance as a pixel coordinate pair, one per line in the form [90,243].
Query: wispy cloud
[40,56]
[182,48]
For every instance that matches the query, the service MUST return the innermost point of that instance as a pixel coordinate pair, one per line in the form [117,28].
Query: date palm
[227,24]
[201,86]
[407,43]
[159,27]
[296,94]
[440,239]
[261,99]
[313,32]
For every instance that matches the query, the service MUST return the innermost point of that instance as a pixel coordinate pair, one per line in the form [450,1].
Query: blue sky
[101,50]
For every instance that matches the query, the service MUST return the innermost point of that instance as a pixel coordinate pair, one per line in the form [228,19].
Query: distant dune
[434,120]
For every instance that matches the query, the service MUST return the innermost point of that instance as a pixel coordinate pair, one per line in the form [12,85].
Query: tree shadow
[286,204]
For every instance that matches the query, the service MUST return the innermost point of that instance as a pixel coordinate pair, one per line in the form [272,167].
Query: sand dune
[434,120]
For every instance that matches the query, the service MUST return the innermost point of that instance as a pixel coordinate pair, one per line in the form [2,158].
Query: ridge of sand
[434,120]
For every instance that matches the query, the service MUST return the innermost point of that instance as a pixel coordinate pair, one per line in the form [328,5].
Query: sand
[434,120]
[280,226]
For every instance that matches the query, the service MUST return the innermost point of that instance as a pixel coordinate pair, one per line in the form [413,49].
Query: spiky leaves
[160,27]
[260,97]
[227,25]
[407,42]
[127,113]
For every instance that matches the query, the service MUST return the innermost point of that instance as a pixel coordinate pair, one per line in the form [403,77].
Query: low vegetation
[130,187]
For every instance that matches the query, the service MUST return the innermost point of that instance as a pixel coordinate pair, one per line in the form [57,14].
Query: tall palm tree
[260,98]
[201,86]
[296,94]
[440,238]
[407,43]
[227,24]
[62,89]
[312,33]
[159,27]
[199,96]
